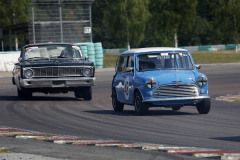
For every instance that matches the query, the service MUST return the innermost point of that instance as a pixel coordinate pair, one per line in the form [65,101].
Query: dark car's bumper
[57,82]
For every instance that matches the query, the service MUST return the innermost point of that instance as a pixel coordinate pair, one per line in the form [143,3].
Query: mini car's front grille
[177,90]
[57,71]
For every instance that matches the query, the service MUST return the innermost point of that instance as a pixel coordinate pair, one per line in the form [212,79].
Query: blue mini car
[159,77]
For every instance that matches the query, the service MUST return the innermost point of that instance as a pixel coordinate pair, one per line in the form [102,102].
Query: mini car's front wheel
[117,106]
[204,106]
[141,108]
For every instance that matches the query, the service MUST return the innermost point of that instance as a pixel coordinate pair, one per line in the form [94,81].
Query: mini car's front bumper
[169,101]
[176,98]
[57,82]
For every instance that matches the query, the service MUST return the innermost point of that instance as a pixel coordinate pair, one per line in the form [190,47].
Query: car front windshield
[51,51]
[156,61]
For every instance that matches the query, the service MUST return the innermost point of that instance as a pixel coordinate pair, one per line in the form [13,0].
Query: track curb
[170,149]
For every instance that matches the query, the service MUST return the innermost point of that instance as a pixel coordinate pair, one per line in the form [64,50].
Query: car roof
[154,49]
[43,44]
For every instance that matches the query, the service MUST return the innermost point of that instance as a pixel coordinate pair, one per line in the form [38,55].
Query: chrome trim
[48,82]
[176,98]
[177,90]
[59,71]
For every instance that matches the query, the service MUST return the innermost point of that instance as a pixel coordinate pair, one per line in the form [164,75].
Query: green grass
[203,57]
[216,57]
[3,150]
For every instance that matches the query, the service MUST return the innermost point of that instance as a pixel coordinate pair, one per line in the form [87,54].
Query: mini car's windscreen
[51,51]
[155,61]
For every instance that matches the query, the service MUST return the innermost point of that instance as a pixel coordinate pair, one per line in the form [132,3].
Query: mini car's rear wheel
[176,108]
[87,93]
[204,106]
[141,108]
[117,106]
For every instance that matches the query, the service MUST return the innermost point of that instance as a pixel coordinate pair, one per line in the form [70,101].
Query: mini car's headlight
[151,83]
[28,73]
[87,71]
[202,81]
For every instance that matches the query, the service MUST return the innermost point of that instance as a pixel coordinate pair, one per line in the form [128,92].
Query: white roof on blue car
[155,49]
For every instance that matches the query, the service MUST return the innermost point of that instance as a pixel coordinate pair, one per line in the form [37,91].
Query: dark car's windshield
[51,51]
[154,61]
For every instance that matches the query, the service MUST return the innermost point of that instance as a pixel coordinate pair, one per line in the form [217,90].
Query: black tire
[78,93]
[204,106]
[19,93]
[24,93]
[141,108]
[117,106]
[87,93]
[176,108]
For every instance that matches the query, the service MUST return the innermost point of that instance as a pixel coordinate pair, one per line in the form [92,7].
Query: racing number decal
[126,88]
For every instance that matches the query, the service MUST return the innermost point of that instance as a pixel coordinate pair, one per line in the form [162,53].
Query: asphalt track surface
[62,114]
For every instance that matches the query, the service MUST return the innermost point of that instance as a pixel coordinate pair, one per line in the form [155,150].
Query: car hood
[170,76]
[56,62]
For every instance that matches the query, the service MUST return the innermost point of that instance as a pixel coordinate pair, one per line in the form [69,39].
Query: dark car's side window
[121,64]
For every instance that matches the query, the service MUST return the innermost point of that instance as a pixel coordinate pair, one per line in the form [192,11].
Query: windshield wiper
[35,58]
[59,57]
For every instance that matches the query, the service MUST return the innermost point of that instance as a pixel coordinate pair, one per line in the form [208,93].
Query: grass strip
[203,57]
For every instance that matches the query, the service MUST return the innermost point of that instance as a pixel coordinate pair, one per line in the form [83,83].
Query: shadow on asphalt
[233,139]
[150,113]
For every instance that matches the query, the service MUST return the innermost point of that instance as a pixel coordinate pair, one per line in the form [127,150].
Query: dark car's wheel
[78,93]
[176,108]
[24,93]
[141,108]
[87,93]
[117,106]
[204,106]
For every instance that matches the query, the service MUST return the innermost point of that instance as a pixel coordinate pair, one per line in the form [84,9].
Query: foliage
[13,12]
[227,11]
[146,23]
[126,20]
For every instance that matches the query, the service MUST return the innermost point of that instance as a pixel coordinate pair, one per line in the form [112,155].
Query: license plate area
[58,83]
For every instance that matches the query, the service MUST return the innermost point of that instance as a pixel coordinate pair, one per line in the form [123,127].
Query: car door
[128,80]
[119,77]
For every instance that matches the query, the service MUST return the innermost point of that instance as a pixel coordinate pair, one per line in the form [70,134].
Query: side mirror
[20,59]
[198,66]
[86,58]
[130,69]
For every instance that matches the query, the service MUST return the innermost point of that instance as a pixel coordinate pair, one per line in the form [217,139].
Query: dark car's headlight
[28,73]
[151,83]
[202,81]
[87,72]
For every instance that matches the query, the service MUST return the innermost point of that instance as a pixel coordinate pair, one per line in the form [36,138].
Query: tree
[126,20]
[228,11]
[174,15]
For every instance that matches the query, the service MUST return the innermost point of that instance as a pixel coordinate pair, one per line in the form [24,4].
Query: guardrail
[8,59]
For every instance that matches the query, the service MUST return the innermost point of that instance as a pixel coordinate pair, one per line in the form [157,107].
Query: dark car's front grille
[57,71]
[177,90]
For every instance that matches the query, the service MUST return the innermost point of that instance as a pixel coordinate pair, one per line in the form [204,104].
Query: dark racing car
[53,68]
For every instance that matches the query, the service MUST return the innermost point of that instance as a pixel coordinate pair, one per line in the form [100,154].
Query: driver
[67,52]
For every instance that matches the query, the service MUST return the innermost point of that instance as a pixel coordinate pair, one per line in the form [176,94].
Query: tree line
[149,23]
[144,23]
